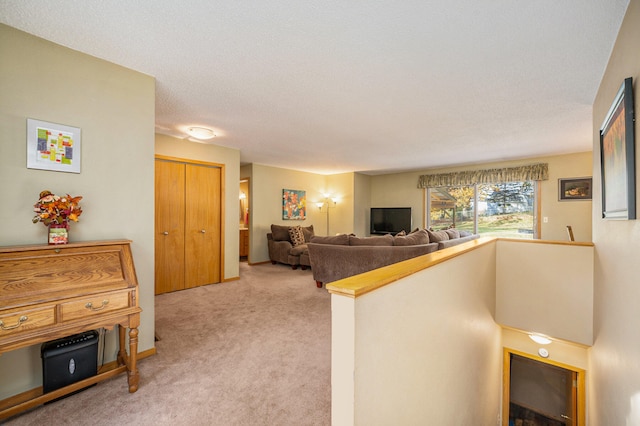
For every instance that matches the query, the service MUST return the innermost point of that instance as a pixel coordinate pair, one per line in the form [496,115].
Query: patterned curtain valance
[509,174]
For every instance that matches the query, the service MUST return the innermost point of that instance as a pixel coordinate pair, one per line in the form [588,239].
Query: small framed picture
[52,146]
[574,189]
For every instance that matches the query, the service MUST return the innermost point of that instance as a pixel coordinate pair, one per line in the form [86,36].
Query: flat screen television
[390,220]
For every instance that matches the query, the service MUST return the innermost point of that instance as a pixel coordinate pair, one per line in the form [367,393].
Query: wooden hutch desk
[48,292]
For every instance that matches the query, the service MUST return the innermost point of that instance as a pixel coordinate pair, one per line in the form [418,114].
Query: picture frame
[294,204]
[617,157]
[52,146]
[575,189]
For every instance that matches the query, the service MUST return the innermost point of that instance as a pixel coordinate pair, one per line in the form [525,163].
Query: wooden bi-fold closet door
[188,237]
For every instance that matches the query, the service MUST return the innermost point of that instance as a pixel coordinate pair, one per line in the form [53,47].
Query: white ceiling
[372,86]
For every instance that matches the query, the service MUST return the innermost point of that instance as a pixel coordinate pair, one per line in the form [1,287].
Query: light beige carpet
[251,352]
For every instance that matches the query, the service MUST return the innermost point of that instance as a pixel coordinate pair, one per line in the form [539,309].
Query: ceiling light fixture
[201,133]
[539,338]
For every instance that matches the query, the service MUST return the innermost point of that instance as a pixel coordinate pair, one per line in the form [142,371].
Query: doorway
[541,392]
[244,219]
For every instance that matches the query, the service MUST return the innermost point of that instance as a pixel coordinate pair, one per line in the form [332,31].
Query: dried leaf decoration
[52,208]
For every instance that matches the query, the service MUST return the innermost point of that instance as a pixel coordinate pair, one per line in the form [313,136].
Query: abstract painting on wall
[617,157]
[54,147]
[294,203]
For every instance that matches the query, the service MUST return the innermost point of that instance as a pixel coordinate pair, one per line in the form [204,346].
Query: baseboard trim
[114,364]
[259,263]
[36,392]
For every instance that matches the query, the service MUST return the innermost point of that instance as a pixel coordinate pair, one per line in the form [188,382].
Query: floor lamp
[325,205]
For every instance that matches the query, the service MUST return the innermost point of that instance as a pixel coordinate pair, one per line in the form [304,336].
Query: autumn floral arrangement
[54,209]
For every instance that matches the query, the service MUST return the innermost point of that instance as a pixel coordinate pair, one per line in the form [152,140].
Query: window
[452,206]
[499,210]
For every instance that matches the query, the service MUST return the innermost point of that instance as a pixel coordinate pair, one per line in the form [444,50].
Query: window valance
[509,174]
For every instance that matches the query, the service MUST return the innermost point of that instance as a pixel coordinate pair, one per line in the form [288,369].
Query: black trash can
[69,360]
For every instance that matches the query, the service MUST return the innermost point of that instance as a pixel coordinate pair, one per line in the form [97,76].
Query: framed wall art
[294,204]
[52,146]
[574,189]
[617,157]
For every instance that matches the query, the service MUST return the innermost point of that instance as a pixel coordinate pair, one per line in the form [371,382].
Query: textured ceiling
[337,86]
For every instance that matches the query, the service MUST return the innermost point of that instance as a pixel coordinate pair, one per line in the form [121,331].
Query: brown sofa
[282,249]
[342,256]
[450,237]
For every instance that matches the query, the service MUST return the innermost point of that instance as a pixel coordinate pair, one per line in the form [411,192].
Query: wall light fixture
[539,338]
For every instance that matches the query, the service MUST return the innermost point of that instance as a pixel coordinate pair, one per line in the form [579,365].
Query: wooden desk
[49,292]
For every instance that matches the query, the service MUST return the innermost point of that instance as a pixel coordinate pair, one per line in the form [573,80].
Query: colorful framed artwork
[53,146]
[574,189]
[617,157]
[294,204]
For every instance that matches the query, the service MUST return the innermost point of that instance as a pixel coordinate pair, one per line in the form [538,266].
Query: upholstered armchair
[283,249]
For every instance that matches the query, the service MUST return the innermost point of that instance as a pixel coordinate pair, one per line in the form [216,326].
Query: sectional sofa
[341,256]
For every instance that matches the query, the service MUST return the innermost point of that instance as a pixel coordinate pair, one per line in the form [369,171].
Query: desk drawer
[29,319]
[94,305]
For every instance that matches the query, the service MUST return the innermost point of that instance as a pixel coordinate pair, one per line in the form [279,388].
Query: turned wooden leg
[304,267]
[319,284]
[273,262]
[294,267]
[133,375]
[122,354]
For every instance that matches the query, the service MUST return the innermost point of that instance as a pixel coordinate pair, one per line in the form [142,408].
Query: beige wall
[555,300]
[230,158]
[614,380]
[114,107]
[341,220]
[400,190]
[361,204]
[267,184]
[421,350]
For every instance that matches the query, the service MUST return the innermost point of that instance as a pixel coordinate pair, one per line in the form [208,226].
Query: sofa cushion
[461,240]
[413,239]
[452,233]
[296,235]
[340,239]
[464,233]
[437,236]
[308,233]
[383,240]
[298,250]
[280,233]
[400,234]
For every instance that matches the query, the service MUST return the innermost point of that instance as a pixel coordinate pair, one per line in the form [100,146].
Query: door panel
[169,226]
[202,225]
[542,393]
